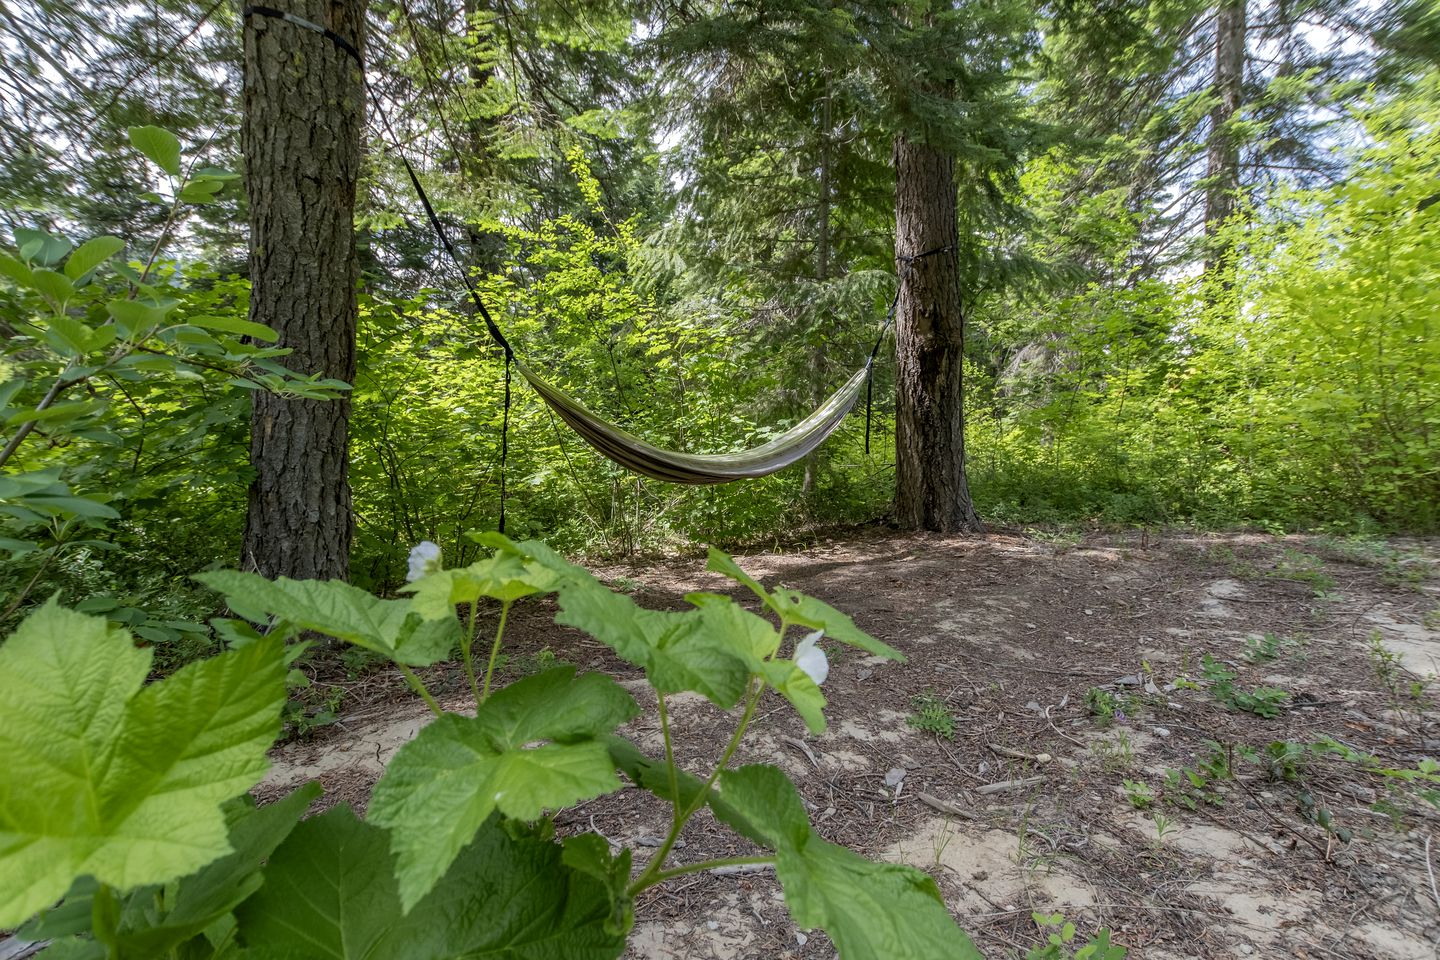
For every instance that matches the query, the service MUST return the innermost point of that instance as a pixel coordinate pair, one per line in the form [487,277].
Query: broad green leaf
[441,786]
[55,287]
[337,609]
[159,145]
[107,778]
[818,615]
[56,411]
[154,920]
[91,254]
[200,191]
[330,894]
[246,328]
[505,577]
[796,686]
[68,335]
[78,506]
[872,911]
[723,563]
[654,776]
[16,270]
[39,247]
[135,315]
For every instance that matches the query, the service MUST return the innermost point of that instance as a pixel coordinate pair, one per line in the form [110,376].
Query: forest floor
[1084,650]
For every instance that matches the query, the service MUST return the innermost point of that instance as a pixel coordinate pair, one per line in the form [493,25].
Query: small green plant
[1431,619]
[1115,752]
[1386,665]
[1303,568]
[1139,794]
[930,714]
[1059,936]
[1103,705]
[1261,701]
[1265,647]
[1164,826]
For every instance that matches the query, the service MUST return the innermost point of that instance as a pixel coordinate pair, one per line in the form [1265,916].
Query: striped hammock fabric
[672,466]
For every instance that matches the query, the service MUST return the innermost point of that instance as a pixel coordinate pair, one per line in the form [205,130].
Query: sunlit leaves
[159,145]
[444,784]
[387,627]
[107,778]
[330,892]
[872,911]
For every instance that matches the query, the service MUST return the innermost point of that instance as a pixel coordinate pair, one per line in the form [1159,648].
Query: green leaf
[505,577]
[91,254]
[244,328]
[16,270]
[330,892]
[37,246]
[55,287]
[200,191]
[872,911]
[76,506]
[69,336]
[159,145]
[440,787]
[723,563]
[56,411]
[135,315]
[106,778]
[817,615]
[154,920]
[336,609]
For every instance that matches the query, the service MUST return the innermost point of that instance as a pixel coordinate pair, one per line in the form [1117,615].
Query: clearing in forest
[1214,745]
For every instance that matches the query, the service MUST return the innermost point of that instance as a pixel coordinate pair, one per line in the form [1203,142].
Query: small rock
[1089,613]
[894,776]
[1162,731]
[801,939]
[864,673]
[712,925]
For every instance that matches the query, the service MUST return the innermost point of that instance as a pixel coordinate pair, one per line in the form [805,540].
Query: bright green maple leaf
[872,911]
[105,777]
[444,784]
[390,628]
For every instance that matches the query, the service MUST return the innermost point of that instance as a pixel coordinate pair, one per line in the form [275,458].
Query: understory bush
[126,802]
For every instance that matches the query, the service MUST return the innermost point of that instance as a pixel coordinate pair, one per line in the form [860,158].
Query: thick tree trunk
[1223,150]
[304,105]
[931,489]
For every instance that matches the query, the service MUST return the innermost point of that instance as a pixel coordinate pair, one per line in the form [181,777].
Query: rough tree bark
[304,106]
[932,492]
[1222,166]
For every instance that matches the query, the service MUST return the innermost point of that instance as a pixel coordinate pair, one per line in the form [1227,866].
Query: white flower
[424,558]
[811,659]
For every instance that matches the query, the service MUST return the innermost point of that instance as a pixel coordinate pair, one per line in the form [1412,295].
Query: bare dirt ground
[1068,664]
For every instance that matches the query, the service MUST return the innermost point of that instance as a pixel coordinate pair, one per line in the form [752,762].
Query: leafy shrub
[155,851]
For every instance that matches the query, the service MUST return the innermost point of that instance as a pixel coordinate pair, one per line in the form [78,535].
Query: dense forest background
[1198,244]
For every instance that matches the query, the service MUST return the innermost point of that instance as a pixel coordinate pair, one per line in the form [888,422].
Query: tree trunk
[1223,154]
[822,275]
[931,489]
[304,106]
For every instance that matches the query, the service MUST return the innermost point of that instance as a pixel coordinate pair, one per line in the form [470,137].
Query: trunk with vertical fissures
[304,105]
[931,488]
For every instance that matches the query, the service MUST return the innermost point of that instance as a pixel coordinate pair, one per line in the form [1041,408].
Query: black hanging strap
[906,265]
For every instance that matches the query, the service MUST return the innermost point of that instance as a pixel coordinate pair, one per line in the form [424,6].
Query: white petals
[424,558]
[811,658]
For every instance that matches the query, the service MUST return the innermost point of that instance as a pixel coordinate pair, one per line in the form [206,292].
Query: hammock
[635,454]
[612,441]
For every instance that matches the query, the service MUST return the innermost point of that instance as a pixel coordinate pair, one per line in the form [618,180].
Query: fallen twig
[1009,785]
[1020,754]
[741,868]
[1429,868]
[944,806]
[804,748]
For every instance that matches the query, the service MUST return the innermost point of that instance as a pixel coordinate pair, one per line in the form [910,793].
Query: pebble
[1162,731]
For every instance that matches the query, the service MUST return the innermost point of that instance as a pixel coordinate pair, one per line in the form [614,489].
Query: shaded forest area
[332,329]
[1195,262]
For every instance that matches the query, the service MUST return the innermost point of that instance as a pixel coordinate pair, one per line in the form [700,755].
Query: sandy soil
[1008,634]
